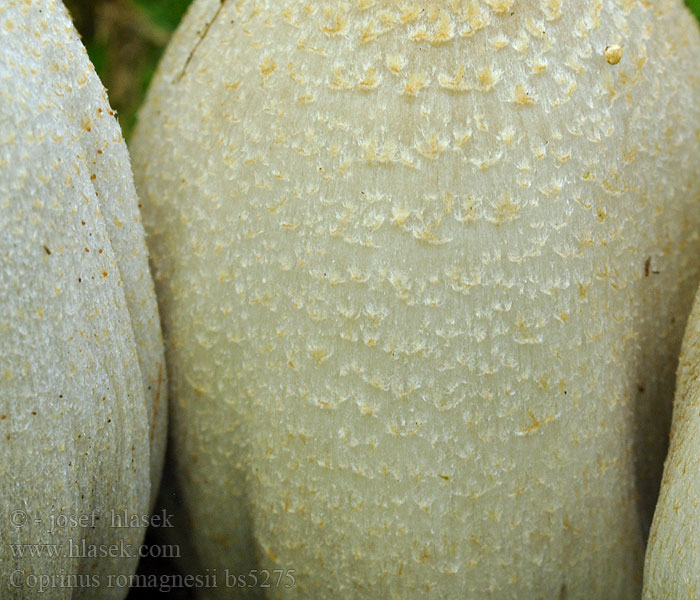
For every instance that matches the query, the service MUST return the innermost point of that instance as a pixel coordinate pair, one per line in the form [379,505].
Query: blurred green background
[695,7]
[125,39]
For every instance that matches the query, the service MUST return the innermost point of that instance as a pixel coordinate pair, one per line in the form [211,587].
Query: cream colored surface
[424,269]
[82,390]
[672,567]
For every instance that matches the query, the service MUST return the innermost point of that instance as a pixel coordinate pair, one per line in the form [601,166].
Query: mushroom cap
[82,386]
[423,270]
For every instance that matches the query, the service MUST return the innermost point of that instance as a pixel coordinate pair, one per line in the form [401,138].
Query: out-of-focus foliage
[695,7]
[125,39]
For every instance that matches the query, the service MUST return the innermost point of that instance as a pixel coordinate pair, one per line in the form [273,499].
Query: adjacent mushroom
[82,378]
[673,554]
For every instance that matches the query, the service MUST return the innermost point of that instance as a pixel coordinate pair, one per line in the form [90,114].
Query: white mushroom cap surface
[424,270]
[82,378]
